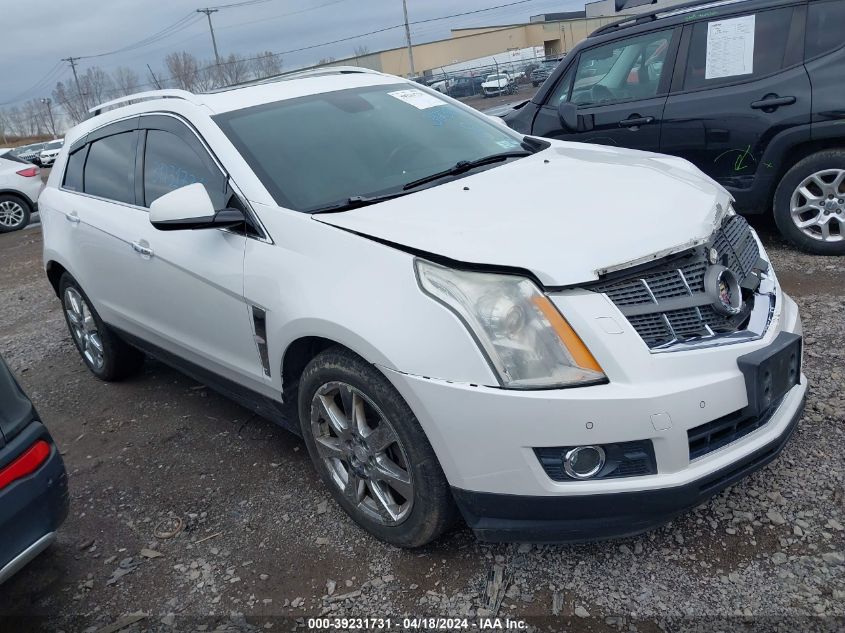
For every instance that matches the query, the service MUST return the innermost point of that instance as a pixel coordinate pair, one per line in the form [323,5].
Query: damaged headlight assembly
[523,336]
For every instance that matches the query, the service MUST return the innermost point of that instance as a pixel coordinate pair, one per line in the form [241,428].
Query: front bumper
[31,508]
[569,519]
[485,437]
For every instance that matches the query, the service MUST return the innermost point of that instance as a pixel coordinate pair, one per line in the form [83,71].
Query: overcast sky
[39,34]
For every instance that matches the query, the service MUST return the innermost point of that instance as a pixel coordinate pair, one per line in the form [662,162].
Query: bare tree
[184,70]
[98,86]
[71,102]
[266,64]
[4,127]
[234,70]
[361,50]
[325,60]
[126,81]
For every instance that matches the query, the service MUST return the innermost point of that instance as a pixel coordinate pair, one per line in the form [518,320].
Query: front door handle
[144,251]
[72,217]
[772,102]
[636,121]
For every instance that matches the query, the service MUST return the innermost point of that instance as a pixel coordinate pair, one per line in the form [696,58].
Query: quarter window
[737,48]
[622,70]
[170,163]
[824,32]
[110,168]
[73,172]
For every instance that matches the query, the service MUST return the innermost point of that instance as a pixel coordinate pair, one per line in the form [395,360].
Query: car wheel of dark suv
[809,205]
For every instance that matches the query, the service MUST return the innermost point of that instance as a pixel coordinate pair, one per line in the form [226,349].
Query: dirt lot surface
[264,548]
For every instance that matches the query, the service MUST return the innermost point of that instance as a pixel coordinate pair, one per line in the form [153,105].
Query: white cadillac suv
[555,341]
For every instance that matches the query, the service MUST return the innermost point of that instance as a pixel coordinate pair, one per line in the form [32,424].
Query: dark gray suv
[751,91]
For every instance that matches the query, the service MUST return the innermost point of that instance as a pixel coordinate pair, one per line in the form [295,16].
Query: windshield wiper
[354,202]
[463,166]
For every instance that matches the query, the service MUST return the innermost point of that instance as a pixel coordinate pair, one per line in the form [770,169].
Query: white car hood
[498,83]
[566,214]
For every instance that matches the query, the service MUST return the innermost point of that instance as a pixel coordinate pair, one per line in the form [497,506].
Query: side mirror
[190,207]
[568,114]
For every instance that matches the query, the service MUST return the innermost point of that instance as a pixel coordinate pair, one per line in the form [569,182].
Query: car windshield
[321,150]
[54,144]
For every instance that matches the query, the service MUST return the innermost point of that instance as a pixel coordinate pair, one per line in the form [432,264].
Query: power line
[181,24]
[38,85]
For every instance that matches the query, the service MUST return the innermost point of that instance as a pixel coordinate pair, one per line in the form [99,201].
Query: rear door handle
[139,248]
[772,102]
[636,121]
[72,217]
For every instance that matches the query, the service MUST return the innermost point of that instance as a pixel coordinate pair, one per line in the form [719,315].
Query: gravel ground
[262,546]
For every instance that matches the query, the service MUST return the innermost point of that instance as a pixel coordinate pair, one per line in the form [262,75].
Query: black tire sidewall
[433,510]
[829,159]
[27,213]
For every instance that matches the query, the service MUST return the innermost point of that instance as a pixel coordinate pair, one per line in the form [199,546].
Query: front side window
[738,48]
[824,27]
[110,168]
[316,151]
[170,163]
[622,70]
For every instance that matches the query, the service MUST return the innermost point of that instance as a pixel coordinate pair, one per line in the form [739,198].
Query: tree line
[67,105]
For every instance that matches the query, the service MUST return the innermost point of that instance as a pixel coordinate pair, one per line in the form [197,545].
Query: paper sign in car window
[730,48]
[417,98]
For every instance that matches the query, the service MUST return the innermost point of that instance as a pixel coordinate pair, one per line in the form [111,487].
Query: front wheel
[809,204]
[371,452]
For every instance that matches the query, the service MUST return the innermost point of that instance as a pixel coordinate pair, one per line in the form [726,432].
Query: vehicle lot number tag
[417,98]
[730,47]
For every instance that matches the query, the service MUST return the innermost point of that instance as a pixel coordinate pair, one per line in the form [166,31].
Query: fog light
[583,462]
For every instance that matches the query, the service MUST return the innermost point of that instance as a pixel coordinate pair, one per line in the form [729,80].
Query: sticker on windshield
[508,143]
[417,98]
[730,48]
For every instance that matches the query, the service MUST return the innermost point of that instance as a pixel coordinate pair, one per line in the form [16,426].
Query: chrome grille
[666,302]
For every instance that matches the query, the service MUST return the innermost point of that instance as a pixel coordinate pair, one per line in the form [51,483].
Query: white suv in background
[398,278]
[20,186]
[48,154]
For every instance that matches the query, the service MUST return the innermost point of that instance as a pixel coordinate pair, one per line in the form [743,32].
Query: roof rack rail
[141,96]
[634,20]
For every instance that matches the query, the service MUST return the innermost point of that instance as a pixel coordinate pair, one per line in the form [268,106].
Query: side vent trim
[259,324]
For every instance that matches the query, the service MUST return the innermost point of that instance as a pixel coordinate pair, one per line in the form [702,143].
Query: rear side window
[737,48]
[110,168]
[824,27]
[73,172]
[170,163]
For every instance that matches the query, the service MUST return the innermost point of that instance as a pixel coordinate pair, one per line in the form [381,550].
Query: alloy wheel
[11,214]
[817,206]
[362,453]
[83,327]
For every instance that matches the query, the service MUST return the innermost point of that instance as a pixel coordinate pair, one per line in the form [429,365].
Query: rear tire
[14,213]
[811,195]
[105,354]
[371,452]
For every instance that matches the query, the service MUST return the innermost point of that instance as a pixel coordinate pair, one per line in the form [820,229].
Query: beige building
[555,37]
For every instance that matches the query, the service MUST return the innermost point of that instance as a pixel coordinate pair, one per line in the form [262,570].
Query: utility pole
[72,61]
[208,13]
[48,103]
[408,38]
[155,79]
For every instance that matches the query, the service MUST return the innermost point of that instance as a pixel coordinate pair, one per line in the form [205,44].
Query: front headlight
[524,337]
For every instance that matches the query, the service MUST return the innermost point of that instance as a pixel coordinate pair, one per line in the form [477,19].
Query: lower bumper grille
[712,436]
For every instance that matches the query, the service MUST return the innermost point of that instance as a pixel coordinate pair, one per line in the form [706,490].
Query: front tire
[105,354]
[14,213]
[809,204]
[371,452]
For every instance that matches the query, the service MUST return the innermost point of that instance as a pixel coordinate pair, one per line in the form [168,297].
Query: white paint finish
[10,180]
[661,421]
[185,203]
[587,208]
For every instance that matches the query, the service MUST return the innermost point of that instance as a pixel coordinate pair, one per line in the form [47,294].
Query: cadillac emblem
[723,288]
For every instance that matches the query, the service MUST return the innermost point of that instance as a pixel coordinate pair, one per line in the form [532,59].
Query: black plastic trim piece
[259,323]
